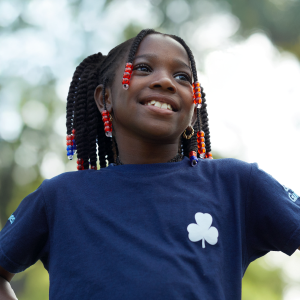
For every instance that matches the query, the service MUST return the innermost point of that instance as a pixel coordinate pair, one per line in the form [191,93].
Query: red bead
[73,131]
[80,167]
[198,100]
[94,167]
[80,161]
[107,123]
[129,65]
[192,153]
[198,95]
[107,128]
[197,90]
[105,118]
[128,70]
[125,81]
[69,137]
[105,113]
[69,143]
[126,75]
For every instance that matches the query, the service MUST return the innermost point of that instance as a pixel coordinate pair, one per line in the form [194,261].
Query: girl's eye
[143,68]
[183,77]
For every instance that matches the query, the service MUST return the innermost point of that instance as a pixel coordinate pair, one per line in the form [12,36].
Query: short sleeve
[272,216]
[23,240]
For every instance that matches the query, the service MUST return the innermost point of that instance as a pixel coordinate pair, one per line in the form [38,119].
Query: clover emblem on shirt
[203,230]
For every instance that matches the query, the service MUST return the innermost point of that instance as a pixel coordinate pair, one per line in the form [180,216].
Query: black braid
[202,117]
[136,42]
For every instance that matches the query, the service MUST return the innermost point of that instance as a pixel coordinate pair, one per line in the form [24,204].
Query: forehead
[163,46]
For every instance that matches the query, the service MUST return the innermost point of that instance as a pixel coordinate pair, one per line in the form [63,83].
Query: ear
[98,96]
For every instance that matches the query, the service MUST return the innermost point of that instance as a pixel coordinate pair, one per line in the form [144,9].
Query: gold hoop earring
[191,129]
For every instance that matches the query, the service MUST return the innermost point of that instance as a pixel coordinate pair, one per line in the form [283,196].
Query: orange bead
[196,84]
[192,153]
[200,134]
[201,150]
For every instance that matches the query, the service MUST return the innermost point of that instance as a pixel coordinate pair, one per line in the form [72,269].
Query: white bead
[108,134]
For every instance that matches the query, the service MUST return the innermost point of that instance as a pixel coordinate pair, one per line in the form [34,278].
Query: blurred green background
[42,42]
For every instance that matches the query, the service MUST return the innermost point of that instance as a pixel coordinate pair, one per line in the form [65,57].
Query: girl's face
[161,76]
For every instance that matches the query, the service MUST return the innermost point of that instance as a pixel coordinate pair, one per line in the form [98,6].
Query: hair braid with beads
[83,115]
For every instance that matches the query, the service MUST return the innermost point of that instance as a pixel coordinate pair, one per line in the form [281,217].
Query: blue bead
[70,152]
[193,161]
[69,148]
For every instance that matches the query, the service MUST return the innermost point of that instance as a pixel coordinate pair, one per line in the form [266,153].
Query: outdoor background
[247,55]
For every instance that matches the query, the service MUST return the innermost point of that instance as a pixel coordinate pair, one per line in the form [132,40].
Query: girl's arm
[6,292]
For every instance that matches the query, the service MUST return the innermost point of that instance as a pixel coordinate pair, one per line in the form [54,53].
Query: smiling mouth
[159,104]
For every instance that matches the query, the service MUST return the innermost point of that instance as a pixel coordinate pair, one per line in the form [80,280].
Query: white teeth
[160,104]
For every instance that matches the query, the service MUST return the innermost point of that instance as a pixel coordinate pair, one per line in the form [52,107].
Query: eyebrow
[149,56]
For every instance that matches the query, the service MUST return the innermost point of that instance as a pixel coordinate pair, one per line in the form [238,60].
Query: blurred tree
[260,283]
[279,19]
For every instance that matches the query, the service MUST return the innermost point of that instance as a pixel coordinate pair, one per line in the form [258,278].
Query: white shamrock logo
[203,230]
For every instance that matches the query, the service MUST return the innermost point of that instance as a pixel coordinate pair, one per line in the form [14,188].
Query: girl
[160,219]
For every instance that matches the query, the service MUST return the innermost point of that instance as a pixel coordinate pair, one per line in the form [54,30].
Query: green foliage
[260,283]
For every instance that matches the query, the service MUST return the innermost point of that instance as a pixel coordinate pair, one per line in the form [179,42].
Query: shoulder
[227,166]
[69,180]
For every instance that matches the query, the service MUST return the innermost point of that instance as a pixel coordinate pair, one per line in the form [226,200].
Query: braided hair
[83,115]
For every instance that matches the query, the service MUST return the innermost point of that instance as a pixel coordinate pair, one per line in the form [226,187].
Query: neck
[139,151]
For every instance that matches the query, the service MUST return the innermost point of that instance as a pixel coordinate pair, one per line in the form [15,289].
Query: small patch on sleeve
[11,219]
[292,195]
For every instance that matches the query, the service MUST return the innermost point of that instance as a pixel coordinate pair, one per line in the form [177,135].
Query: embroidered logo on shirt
[203,230]
[292,195]
[11,219]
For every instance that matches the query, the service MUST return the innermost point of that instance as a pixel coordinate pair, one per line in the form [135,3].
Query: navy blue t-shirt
[159,231]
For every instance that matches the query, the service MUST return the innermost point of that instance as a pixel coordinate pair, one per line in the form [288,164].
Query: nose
[164,82]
